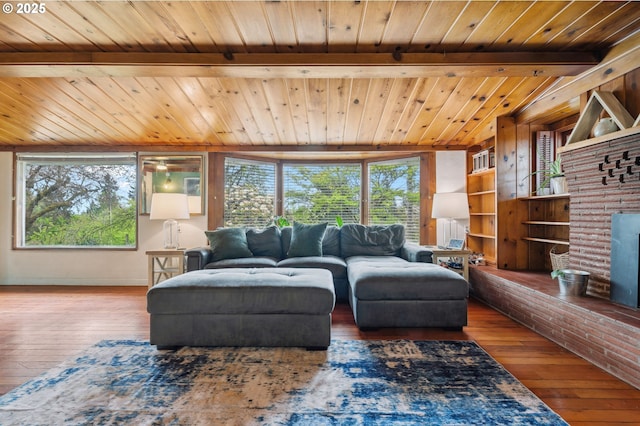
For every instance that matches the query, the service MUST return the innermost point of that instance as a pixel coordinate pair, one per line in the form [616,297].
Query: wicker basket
[559,260]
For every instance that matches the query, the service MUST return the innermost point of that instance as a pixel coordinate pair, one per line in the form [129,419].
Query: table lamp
[169,207]
[450,206]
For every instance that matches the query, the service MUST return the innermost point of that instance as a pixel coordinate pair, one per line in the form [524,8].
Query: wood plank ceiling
[239,75]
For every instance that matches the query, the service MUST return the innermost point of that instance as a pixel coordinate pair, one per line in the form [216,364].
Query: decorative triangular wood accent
[597,102]
[637,122]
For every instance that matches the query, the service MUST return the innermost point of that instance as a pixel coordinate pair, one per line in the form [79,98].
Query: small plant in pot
[572,282]
[553,176]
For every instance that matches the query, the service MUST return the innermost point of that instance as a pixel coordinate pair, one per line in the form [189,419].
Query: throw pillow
[265,242]
[228,243]
[306,240]
[372,240]
[331,242]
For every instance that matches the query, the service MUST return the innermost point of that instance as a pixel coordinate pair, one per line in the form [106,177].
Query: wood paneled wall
[514,151]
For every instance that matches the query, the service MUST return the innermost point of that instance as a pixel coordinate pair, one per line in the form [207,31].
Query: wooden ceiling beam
[296,65]
[300,149]
[620,60]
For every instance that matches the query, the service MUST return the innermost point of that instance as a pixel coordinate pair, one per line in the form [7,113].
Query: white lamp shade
[450,205]
[165,205]
[195,204]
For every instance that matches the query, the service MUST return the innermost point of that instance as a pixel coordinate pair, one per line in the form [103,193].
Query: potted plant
[553,176]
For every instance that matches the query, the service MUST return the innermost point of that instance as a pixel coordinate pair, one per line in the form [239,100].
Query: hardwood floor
[42,326]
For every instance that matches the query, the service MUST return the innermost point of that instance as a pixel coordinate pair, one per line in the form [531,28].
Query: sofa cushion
[285,239]
[228,243]
[265,242]
[392,278]
[306,240]
[244,291]
[336,265]
[373,240]
[331,241]
[244,262]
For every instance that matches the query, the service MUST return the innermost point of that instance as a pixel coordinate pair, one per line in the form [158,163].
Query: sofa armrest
[416,253]
[197,258]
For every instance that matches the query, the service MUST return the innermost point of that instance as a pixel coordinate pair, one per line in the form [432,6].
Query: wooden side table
[439,252]
[164,264]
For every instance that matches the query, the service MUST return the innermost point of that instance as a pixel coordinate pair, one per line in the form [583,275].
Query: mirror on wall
[182,174]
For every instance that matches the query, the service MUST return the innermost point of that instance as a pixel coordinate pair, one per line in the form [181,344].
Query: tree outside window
[249,192]
[72,200]
[394,195]
[314,193]
[320,193]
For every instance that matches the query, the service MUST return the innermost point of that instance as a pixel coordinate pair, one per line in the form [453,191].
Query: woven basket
[559,260]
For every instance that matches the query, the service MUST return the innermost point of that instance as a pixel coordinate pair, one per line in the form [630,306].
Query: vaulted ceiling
[240,75]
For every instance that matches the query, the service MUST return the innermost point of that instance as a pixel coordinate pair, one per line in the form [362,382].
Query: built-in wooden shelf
[483,172]
[471,194]
[546,197]
[482,236]
[547,224]
[601,139]
[481,187]
[598,102]
[546,241]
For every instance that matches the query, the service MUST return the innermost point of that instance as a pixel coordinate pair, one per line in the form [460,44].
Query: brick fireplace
[603,179]
[604,333]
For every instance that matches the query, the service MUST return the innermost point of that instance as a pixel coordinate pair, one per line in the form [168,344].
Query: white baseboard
[79,282]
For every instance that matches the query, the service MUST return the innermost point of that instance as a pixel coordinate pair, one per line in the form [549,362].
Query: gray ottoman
[243,307]
[387,291]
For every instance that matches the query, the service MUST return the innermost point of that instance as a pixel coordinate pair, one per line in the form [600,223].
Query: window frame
[279,164]
[18,232]
[390,161]
[276,193]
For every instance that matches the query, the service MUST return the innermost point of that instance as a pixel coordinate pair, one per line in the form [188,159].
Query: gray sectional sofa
[387,281]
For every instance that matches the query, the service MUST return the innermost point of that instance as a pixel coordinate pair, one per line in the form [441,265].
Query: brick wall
[586,326]
[597,192]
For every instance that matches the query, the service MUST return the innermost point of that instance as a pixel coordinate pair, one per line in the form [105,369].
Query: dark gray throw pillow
[306,240]
[228,243]
[265,242]
[372,240]
[331,241]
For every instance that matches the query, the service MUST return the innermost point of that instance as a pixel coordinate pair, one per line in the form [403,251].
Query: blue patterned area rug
[354,382]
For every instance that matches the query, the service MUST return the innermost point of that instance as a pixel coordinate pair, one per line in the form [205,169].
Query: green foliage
[552,169]
[249,193]
[320,193]
[281,221]
[75,205]
[394,196]
[323,193]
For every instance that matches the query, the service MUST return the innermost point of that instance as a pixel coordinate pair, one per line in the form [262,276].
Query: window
[394,195]
[249,192]
[76,200]
[314,193]
[320,193]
